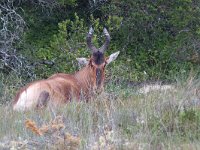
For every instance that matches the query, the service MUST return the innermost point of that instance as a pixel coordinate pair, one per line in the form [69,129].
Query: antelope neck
[88,76]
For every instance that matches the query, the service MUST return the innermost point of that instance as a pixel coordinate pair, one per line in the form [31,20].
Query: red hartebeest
[61,88]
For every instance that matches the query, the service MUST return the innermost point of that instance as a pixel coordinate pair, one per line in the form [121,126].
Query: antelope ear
[82,61]
[112,57]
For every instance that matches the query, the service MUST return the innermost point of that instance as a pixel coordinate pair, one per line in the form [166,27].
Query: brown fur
[61,88]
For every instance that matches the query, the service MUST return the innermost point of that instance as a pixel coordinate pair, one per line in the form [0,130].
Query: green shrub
[158,38]
[70,43]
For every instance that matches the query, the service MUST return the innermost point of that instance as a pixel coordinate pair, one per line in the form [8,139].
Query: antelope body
[61,88]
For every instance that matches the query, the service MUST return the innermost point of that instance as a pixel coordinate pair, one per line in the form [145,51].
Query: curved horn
[106,44]
[89,41]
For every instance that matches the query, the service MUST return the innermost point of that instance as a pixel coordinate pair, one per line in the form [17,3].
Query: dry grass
[56,138]
[123,118]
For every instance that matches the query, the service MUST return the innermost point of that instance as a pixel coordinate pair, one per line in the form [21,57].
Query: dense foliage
[157,39]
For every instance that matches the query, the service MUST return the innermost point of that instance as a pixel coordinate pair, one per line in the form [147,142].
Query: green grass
[119,118]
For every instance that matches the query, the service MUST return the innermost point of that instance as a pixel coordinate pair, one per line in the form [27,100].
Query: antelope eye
[105,64]
[93,64]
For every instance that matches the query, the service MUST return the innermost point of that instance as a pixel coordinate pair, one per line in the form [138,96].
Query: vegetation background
[158,40]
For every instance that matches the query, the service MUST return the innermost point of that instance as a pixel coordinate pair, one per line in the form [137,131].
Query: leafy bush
[158,38]
[70,43]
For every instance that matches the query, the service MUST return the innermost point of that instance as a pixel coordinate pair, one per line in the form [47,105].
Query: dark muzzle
[98,77]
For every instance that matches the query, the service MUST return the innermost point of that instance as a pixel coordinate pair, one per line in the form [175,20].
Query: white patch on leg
[20,105]
[27,99]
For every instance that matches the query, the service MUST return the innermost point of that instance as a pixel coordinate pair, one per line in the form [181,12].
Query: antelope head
[97,62]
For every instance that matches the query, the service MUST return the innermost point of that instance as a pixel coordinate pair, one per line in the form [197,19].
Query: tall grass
[119,118]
